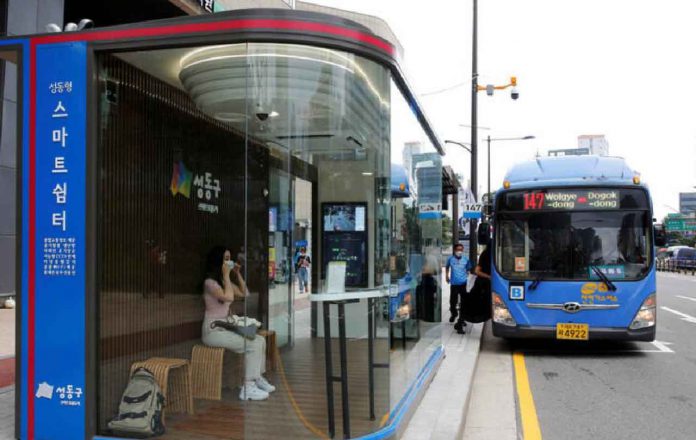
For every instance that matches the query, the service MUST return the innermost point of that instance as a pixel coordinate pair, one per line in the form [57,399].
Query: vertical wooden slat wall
[153,243]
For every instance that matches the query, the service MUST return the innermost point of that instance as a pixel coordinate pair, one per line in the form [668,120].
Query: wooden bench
[174,379]
[271,350]
[208,364]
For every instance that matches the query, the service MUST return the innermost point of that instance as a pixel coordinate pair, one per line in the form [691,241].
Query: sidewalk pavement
[442,412]
[492,413]
[7,373]
[7,416]
[7,333]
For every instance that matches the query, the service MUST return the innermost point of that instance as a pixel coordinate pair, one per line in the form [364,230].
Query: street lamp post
[464,145]
[474,131]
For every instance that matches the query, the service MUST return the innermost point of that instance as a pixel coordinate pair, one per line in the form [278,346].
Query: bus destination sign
[571,200]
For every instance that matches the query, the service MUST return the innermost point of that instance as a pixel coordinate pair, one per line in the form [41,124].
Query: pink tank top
[214,308]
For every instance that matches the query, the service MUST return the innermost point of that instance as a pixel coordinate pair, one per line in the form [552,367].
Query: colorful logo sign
[181,180]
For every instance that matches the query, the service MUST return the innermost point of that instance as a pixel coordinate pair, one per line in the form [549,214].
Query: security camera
[52,27]
[85,23]
[514,93]
[261,113]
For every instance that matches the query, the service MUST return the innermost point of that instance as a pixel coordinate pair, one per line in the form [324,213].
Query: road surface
[602,390]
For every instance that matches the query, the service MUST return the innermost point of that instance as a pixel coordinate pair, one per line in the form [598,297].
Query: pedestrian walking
[302,265]
[456,271]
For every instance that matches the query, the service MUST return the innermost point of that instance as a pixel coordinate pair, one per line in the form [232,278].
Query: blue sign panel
[471,215]
[60,114]
[517,292]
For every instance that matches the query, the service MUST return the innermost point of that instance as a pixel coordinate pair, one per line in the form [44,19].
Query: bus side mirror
[660,236]
[484,235]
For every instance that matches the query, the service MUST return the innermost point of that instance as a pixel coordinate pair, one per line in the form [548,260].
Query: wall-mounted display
[344,238]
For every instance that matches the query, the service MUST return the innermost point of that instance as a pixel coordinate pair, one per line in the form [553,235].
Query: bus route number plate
[573,331]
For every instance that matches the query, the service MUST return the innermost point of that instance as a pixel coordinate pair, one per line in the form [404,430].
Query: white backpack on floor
[140,410]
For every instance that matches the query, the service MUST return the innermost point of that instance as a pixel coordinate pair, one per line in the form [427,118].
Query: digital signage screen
[573,199]
[348,217]
[344,238]
[350,247]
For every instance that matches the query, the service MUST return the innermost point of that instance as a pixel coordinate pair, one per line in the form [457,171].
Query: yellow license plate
[573,331]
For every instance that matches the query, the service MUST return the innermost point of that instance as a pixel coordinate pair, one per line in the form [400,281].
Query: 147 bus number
[534,200]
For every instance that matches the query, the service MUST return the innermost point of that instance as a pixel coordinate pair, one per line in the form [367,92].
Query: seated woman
[222,284]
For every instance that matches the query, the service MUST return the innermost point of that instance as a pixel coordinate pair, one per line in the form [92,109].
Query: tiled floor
[297,410]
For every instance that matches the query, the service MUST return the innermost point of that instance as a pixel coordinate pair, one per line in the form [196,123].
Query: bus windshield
[573,245]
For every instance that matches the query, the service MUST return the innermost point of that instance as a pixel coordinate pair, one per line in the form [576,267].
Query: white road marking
[684,316]
[663,346]
[687,297]
[660,347]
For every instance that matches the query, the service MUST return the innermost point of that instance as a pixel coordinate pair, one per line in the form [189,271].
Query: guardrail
[677,265]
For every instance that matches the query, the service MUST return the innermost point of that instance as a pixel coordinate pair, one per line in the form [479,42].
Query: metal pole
[345,401]
[474,130]
[455,218]
[488,194]
[370,354]
[328,370]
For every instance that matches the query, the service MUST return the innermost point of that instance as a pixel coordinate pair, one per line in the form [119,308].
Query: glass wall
[252,184]
[415,256]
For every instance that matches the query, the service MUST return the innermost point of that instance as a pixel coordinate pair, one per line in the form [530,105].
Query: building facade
[595,144]
[687,202]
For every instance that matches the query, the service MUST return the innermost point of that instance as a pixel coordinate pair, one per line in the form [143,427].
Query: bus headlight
[646,315]
[501,313]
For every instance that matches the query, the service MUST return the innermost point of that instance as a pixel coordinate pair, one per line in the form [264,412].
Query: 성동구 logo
[44,391]
[181,180]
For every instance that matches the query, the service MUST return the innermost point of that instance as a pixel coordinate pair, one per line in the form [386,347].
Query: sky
[619,68]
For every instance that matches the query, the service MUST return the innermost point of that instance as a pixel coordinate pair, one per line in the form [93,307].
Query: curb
[7,389]
[442,412]
[460,433]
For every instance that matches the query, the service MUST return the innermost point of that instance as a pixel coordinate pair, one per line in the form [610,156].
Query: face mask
[458,254]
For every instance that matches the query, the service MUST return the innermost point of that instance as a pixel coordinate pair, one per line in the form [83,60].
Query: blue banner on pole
[59,353]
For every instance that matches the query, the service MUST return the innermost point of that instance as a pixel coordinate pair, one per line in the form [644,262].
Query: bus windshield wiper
[539,278]
[535,283]
[605,279]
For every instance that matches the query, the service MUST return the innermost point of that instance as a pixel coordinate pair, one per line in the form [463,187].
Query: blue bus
[573,251]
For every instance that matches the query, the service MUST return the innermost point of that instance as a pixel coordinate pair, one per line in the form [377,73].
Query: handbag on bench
[245,327]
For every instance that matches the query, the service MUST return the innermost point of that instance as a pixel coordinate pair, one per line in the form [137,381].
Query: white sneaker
[251,392]
[264,385]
